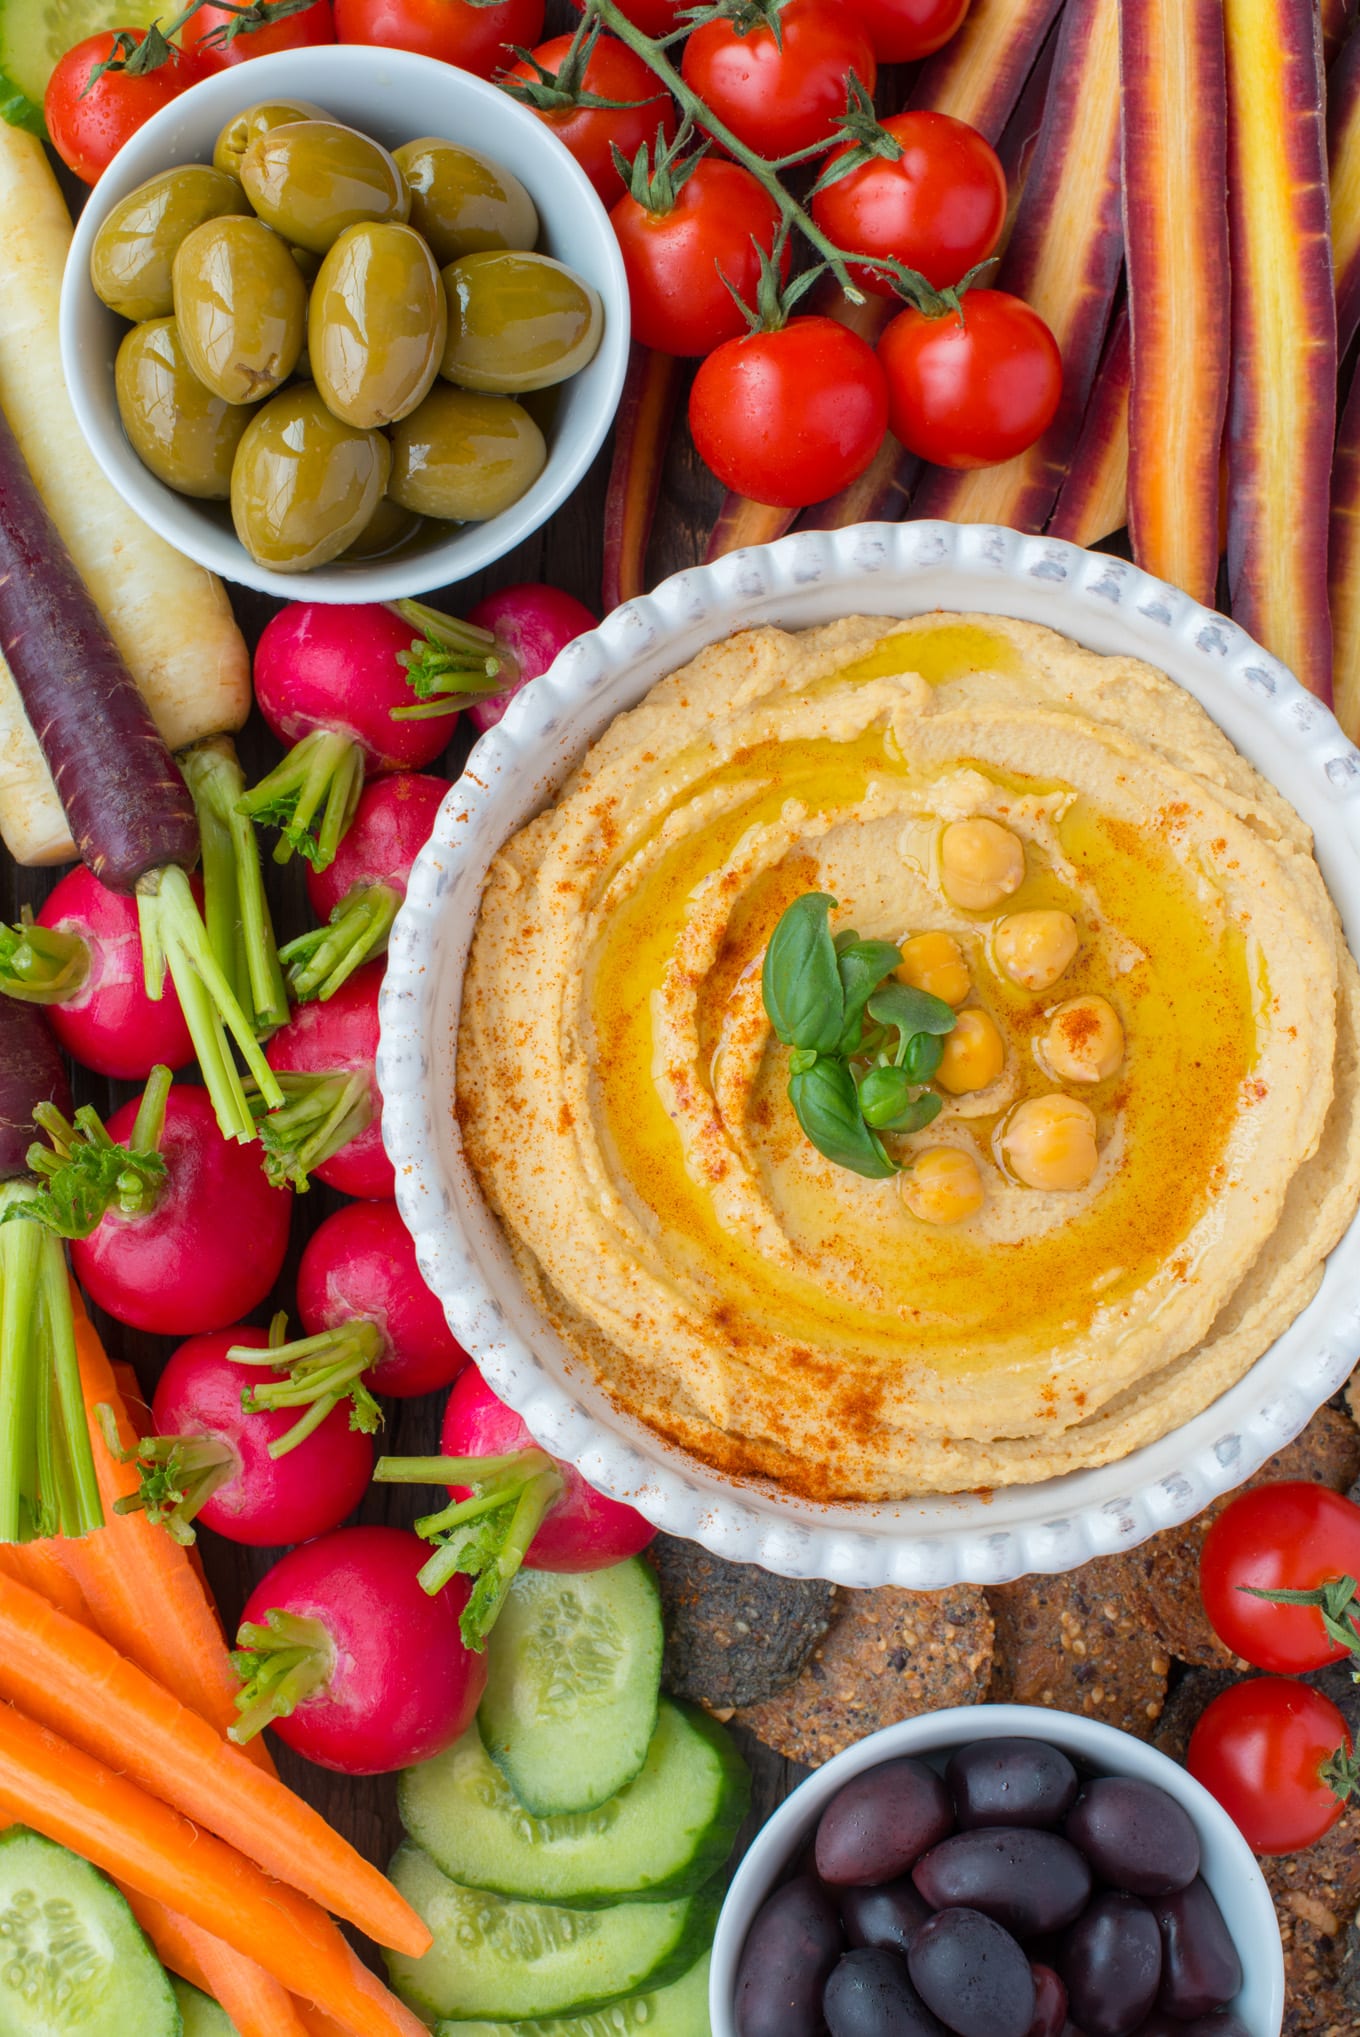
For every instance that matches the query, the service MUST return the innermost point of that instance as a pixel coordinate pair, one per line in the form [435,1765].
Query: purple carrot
[1094,502]
[1343,157]
[979,73]
[31,1072]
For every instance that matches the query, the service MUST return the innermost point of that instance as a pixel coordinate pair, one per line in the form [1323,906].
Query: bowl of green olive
[347,317]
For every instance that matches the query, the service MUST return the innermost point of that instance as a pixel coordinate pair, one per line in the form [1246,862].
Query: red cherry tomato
[656,18]
[480,39]
[613,72]
[779,97]
[901,31]
[1260,1748]
[790,417]
[939,208]
[676,260]
[313,26]
[1290,1536]
[89,128]
[974,392]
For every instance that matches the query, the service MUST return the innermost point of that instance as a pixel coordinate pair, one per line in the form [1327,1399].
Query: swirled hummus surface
[623,1099]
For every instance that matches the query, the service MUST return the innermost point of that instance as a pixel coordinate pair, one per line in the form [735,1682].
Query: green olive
[389,527]
[375,327]
[465,456]
[134,250]
[462,202]
[518,322]
[241,304]
[304,485]
[180,430]
[313,178]
[244,128]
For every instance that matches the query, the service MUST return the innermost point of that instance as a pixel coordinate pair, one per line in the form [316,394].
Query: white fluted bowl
[808,578]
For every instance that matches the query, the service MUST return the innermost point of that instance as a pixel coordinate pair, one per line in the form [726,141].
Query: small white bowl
[1238,1886]
[395,97]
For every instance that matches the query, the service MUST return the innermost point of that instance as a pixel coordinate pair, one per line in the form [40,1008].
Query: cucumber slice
[573,1682]
[72,1955]
[668,1832]
[499,1960]
[680,2010]
[35,33]
[203,2017]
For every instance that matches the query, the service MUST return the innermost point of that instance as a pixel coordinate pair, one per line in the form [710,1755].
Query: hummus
[623,1099]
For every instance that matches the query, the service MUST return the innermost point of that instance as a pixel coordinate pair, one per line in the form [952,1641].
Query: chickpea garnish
[1084,1041]
[942,1186]
[974,1054]
[1050,1142]
[1034,948]
[935,962]
[980,863]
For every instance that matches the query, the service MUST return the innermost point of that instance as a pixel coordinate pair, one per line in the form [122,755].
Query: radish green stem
[48,1483]
[235,909]
[178,1475]
[316,1115]
[318,962]
[84,1174]
[323,1371]
[173,935]
[323,775]
[41,965]
[451,664]
[279,1663]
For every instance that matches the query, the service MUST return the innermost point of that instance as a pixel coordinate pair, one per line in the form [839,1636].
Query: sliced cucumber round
[666,1833]
[73,1958]
[34,34]
[573,1681]
[203,2017]
[680,2010]
[505,1961]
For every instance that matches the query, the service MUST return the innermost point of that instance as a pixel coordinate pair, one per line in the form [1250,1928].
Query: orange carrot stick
[256,2003]
[144,1594]
[60,1791]
[72,1681]
[317,2023]
[1094,499]
[41,1566]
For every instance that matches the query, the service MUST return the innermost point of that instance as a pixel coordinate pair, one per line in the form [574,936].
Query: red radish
[357,1667]
[358,894]
[174,1228]
[236,1472]
[330,1125]
[546,1517]
[531,624]
[82,958]
[372,1324]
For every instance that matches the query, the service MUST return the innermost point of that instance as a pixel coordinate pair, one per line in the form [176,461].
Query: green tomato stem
[279,1663]
[319,961]
[311,797]
[41,965]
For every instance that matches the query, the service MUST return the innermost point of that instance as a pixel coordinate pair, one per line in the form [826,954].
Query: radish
[357,1668]
[173,1228]
[48,1484]
[127,806]
[82,958]
[358,894]
[238,1472]
[331,1122]
[513,1504]
[531,624]
[372,1324]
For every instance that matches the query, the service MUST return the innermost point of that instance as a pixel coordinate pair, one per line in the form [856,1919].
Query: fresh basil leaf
[826,1104]
[911,1011]
[845,939]
[918,1115]
[863,967]
[922,1057]
[800,981]
[884,1094]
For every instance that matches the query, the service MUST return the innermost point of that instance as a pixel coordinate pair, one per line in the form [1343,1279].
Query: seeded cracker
[735,1634]
[889,1654]
[1076,1644]
[1316,1894]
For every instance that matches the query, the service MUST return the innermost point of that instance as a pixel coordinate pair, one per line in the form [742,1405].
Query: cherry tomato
[790,417]
[903,30]
[313,26]
[1260,1748]
[475,38]
[779,97]
[939,208]
[89,128]
[1291,1536]
[613,72]
[656,18]
[681,304]
[974,392]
